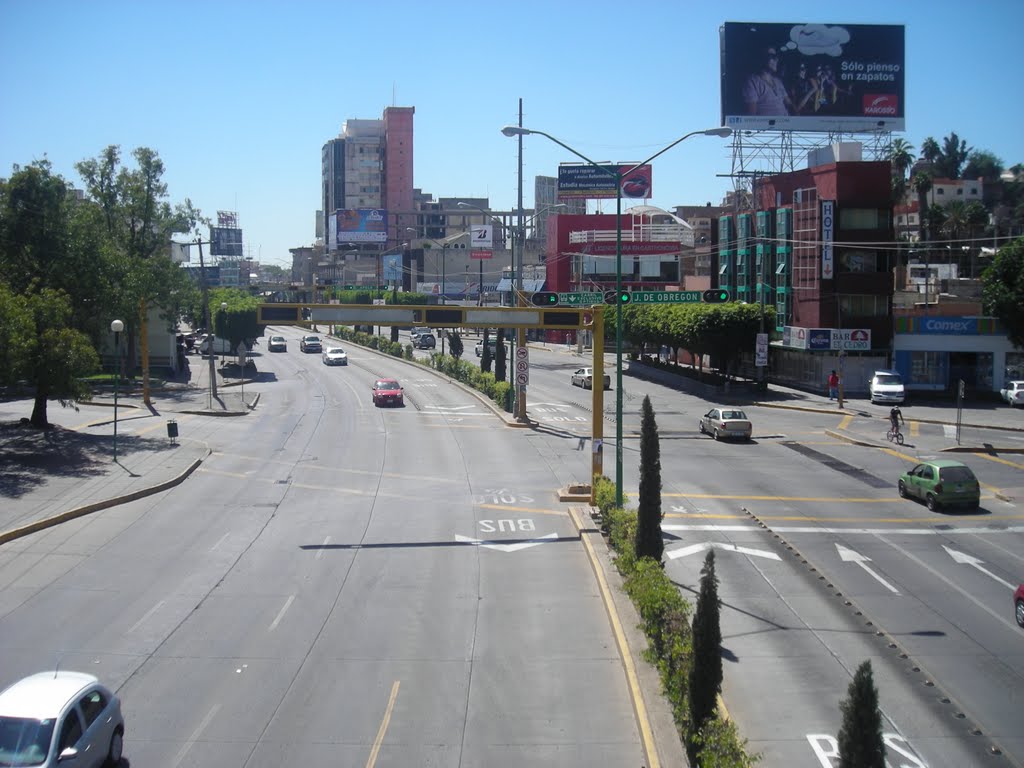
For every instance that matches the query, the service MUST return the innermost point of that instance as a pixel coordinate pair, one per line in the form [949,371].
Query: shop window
[928,368]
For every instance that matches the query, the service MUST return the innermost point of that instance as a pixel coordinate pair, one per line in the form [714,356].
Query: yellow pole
[144,350]
[597,404]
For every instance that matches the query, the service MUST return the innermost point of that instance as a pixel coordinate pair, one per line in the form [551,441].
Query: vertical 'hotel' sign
[827,232]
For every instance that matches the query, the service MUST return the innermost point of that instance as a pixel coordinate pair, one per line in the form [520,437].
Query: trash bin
[172,429]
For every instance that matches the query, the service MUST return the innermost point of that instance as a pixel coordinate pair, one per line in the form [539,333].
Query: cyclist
[895,418]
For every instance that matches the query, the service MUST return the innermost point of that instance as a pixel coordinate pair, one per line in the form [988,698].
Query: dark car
[387,392]
[941,483]
[424,341]
[310,344]
[1018,605]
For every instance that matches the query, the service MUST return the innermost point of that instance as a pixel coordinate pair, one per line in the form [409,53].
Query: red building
[821,248]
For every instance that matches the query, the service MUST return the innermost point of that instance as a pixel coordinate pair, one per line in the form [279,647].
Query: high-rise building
[370,166]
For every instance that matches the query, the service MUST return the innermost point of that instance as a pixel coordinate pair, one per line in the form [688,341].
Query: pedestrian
[833,385]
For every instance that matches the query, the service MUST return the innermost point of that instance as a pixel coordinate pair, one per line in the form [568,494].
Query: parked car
[424,340]
[886,387]
[725,422]
[334,356]
[1018,605]
[941,483]
[310,344]
[1013,393]
[277,344]
[220,346]
[416,331]
[584,377]
[388,392]
[60,717]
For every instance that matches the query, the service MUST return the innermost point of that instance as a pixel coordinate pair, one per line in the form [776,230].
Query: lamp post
[616,173]
[116,326]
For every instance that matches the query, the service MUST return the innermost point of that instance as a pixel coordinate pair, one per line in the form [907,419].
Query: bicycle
[894,435]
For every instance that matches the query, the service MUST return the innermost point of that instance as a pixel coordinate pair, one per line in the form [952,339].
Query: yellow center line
[846,421]
[999,460]
[372,760]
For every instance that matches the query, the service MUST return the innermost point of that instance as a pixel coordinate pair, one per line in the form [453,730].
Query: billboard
[576,181]
[362,225]
[813,77]
[225,241]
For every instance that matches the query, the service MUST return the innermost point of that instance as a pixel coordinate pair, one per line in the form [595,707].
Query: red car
[387,392]
[1018,604]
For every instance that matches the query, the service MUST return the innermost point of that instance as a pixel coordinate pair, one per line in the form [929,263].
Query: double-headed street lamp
[616,172]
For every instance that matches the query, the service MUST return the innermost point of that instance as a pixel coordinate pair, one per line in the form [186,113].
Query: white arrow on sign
[849,556]
[505,547]
[695,548]
[964,559]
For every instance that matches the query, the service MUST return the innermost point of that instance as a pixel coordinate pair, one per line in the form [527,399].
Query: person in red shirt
[833,386]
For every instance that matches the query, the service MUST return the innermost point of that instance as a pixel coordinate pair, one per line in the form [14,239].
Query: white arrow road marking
[695,548]
[849,556]
[964,559]
[448,407]
[505,547]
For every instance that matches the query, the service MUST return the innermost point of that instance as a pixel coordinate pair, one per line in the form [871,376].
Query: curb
[87,509]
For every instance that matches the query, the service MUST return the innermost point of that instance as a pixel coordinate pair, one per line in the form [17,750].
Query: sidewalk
[49,477]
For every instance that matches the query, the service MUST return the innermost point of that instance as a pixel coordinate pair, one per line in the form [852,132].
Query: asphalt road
[327,583]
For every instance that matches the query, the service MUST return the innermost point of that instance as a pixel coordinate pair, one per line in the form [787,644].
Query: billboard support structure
[756,154]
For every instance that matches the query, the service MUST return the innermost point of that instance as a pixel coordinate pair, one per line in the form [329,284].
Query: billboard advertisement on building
[813,77]
[362,225]
[577,181]
[225,241]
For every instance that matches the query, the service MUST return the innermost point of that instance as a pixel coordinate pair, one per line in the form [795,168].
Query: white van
[886,387]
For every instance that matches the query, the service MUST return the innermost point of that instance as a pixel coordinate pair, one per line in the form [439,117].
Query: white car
[886,387]
[60,718]
[277,344]
[1014,393]
[334,356]
[725,422]
[584,377]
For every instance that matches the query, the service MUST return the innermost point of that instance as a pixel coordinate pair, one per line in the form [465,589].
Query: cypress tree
[499,357]
[649,542]
[485,354]
[860,737]
[705,681]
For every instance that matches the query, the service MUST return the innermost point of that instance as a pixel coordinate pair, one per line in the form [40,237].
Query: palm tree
[977,219]
[930,150]
[901,156]
[921,184]
[953,229]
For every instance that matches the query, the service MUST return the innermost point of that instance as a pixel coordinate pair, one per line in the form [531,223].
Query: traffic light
[617,297]
[716,296]
[544,299]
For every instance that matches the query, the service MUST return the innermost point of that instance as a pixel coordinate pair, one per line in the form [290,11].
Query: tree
[952,158]
[485,354]
[500,370]
[922,184]
[238,322]
[43,349]
[455,348]
[983,164]
[930,150]
[860,737]
[901,156]
[1002,289]
[649,541]
[705,680]
[139,223]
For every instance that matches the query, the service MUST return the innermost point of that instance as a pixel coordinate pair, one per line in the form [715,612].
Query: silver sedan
[726,422]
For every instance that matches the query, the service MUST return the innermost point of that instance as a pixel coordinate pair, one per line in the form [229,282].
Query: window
[1014,370]
[864,218]
[940,191]
[70,731]
[960,190]
[857,261]
[863,305]
[92,704]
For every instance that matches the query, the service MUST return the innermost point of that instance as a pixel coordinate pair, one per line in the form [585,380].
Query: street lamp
[116,326]
[616,172]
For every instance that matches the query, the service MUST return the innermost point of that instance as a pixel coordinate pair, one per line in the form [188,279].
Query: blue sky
[239,97]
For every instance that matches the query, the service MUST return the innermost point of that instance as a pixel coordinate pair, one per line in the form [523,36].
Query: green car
[941,483]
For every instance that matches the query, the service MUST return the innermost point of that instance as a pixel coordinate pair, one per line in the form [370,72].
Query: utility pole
[520,332]
[206,321]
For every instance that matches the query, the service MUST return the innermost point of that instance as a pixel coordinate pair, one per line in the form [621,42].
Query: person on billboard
[764,93]
[803,93]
